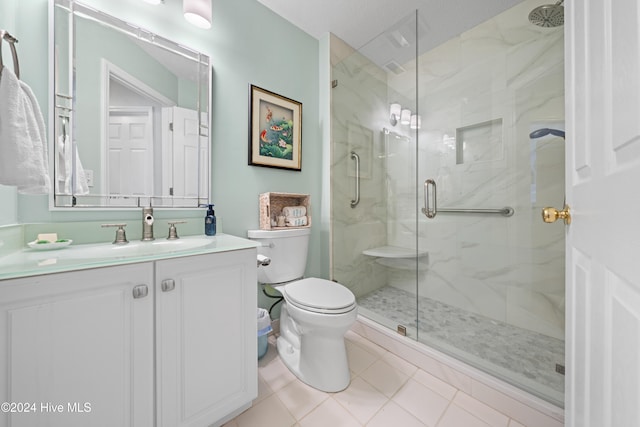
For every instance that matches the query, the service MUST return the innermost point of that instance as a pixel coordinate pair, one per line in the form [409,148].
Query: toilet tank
[287,250]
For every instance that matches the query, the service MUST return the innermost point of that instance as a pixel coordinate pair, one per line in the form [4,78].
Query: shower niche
[479,142]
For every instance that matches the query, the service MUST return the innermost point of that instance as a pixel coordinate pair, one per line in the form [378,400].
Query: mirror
[131,114]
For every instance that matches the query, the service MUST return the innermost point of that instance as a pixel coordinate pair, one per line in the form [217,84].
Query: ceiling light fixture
[154,2]
[197,12]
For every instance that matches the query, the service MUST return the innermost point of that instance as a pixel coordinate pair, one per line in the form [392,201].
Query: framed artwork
[275,130]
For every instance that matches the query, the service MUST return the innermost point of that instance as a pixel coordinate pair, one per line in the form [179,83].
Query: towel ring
[4,35]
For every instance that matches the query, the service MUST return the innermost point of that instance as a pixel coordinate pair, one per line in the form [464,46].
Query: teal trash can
[264,327]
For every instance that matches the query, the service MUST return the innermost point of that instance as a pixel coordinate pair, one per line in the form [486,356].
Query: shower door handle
[355,201]
[430,212]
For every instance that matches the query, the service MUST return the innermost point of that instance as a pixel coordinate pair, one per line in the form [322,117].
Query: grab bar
[506,211]
[427,210]
[431,212]
[355,201]
[4,35]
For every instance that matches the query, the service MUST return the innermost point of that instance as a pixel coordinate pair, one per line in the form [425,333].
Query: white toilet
[315,314]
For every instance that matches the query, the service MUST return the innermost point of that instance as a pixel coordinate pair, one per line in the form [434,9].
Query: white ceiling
[359,21]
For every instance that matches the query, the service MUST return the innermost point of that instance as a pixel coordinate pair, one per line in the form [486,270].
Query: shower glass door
[492,141]
[483,279]
[374,173]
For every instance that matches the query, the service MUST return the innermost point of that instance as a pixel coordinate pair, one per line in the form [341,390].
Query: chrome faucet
[121,236]
[147,224]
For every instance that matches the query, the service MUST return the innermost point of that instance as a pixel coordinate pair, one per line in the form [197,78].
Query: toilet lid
[319,295]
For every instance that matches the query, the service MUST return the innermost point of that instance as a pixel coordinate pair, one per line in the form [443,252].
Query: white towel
[64,166]
[294,211]
[60,166]
[299,221]
[23,140]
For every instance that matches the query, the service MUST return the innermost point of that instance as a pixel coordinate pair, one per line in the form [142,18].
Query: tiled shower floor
[513,354]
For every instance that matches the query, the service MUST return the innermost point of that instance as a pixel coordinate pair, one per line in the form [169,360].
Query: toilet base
[323,364]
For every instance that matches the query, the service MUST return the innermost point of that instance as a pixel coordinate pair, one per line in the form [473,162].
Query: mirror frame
[62,111]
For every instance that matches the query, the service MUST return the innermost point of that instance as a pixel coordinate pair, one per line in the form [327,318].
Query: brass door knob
[553,214]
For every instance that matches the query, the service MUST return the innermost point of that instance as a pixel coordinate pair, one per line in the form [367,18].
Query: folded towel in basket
[296,221]
[294,211]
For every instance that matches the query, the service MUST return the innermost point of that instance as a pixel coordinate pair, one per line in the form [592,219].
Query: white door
[130,159]
[603,240]
[187,149]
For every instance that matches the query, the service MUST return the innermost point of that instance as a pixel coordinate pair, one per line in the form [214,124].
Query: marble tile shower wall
[494,84]
[357,121]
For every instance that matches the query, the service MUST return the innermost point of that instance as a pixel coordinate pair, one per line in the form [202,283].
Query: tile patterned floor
[385,391]
[520,355]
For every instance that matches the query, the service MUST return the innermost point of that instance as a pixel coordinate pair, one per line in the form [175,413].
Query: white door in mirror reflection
[130,159]
[187,151]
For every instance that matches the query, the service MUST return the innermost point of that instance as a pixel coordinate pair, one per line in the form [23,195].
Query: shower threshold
[519,356]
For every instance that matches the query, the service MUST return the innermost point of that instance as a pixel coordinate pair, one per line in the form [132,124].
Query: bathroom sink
[134,249]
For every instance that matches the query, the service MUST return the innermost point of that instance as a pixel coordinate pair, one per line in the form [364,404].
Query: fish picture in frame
[275,130]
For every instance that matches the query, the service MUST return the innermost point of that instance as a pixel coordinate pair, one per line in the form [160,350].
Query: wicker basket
[271,205]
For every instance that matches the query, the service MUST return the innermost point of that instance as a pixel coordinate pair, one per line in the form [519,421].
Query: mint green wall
[187,94]
[249,45]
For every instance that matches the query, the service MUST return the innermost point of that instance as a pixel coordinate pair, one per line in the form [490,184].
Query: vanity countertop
[31,262]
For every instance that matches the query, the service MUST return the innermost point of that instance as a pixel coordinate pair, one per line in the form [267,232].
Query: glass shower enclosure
[443,155]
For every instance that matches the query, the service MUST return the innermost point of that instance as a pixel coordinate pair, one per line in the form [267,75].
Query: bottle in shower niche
[210,222]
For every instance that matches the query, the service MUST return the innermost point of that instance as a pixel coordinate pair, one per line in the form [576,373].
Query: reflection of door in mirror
[185,152]
[130,148]
[133,166]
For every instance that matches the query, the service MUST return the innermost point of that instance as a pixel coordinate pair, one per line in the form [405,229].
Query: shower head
[546,131]
[548,15]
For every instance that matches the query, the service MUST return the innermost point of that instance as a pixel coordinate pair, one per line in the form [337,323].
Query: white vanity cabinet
[166,343]
[206,337]
[77,348]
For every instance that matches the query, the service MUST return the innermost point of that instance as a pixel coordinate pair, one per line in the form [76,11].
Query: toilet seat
[319,296]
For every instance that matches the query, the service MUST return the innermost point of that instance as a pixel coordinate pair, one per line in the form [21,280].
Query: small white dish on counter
[49,246]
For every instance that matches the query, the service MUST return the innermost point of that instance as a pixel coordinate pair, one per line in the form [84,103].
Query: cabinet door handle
[140,291]
[168,285]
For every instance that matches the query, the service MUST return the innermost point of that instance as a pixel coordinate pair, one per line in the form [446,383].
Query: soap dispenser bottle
[210,222]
